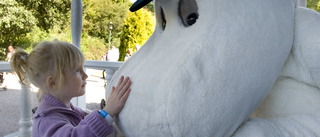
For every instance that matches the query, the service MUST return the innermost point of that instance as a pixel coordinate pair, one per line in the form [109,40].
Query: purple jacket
[54,119]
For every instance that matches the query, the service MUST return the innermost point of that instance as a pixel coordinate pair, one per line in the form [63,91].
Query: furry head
[207,67]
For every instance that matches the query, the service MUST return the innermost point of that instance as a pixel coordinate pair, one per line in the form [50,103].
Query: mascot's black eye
[192,18]
[188,12]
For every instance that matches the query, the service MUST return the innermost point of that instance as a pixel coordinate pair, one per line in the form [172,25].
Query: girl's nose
[84,76]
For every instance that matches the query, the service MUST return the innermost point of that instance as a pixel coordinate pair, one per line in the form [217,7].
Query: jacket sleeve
[93,125]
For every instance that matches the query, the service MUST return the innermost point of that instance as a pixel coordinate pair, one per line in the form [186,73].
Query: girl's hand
[118,97]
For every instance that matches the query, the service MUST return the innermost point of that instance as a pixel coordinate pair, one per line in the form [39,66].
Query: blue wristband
[103,113]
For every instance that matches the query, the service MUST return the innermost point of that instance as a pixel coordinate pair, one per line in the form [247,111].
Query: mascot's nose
[138,5]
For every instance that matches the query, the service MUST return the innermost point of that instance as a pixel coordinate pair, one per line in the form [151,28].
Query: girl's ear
[51,83]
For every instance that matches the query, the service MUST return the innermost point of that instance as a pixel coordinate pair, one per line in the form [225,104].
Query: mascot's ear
[139,4]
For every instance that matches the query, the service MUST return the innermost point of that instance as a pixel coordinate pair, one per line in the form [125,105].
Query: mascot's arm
[306,69]
[291,126]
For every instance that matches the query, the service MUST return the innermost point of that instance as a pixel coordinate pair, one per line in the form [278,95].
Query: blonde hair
[46,59]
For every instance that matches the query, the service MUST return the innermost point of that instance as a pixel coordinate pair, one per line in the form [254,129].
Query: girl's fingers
[120,81]
[125,96]
[124,82]
[113,89]
[122,85]
[125,87]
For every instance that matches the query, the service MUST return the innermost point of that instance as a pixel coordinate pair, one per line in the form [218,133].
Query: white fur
[293,105]
[208,79]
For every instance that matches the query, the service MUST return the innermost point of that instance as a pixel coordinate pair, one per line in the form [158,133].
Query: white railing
[110,67]
[25,100]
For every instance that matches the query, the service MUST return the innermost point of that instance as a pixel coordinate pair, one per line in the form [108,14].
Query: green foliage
[15,22]
[31,39]
[150,7]
[49,13]
[92,48]
[137,29]
[98,14]
[314,4]
[26,23]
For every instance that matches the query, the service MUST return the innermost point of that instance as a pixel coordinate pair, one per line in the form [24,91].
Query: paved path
[9,100]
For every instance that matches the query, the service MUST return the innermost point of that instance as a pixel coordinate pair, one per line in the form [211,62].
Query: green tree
[150,7]
[314,4]
[91,47]
[15,22]
[49,13]
[137,29]
[50,19]
[98,14]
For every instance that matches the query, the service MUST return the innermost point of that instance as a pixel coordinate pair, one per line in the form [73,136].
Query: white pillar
[76,21]
[303,3]
[76,28]
[110,72]
[25,112]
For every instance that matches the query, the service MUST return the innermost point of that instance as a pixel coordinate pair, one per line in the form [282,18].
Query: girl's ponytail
[19,64]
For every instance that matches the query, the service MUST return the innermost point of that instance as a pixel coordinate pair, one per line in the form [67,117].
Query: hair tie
[24,57]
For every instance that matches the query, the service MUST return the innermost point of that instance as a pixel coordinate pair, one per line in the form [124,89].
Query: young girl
[56,68]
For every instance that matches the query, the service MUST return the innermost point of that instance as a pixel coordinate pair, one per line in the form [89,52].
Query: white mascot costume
[220,68]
